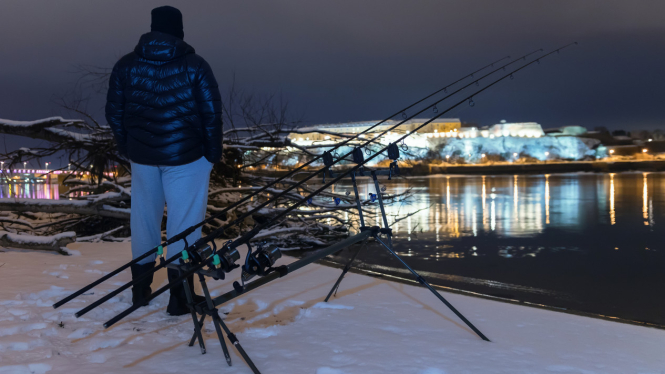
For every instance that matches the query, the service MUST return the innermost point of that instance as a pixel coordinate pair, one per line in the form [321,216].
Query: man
[164,108]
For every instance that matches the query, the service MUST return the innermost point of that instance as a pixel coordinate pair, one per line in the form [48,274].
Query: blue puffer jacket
[163,104]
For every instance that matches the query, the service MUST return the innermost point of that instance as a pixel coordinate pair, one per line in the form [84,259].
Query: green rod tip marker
[216,261]
[160,251]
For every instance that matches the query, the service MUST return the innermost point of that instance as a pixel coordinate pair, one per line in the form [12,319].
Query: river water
[586,242]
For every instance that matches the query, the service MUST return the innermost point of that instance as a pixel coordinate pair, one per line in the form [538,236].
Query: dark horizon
[356,61]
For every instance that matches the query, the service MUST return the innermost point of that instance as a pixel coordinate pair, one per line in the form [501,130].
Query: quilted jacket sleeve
[209,102]
[115,108]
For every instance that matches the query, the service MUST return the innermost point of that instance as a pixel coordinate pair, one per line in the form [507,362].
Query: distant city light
[650,140]
[547,153]
[483,155]
[644,150]
[611,151]
[447,156]
[514,154]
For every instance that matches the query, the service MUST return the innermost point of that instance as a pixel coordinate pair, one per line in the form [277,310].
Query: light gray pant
[184,189]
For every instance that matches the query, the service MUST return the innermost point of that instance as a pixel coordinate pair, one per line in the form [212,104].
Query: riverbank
[371,326]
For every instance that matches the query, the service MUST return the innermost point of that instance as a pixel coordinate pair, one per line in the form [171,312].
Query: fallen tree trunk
[56,243]
[81,207]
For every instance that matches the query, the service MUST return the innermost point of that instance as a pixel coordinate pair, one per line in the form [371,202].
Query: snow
[8,122]
[372,326]
[26,239]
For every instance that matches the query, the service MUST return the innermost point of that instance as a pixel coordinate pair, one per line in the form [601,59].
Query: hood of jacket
[158,46]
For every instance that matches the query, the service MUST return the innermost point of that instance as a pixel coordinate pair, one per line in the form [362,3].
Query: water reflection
[30,191]
[450,207]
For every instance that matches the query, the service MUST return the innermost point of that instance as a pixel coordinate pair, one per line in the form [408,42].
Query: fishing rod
[249,235]
[159,250]
[202,243]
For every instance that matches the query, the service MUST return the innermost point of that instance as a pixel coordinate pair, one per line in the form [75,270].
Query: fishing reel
[358,158]
[260,262]
[223,260]
[393,155]
[328,161]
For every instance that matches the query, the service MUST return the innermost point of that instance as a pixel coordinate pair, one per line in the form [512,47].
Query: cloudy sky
[361,60]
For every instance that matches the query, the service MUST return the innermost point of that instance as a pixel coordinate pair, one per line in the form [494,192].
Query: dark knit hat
[168,20]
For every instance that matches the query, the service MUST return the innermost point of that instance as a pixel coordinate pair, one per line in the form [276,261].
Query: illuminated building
[327,132]
[518,129]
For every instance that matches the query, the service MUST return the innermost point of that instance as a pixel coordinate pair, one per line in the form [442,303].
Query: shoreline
[372,325]
[403,280]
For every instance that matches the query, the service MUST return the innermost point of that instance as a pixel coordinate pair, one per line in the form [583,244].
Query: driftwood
[82,207]
[55,243]
[98,207]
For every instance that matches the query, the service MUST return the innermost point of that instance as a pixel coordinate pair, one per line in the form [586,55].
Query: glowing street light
[483,155]
[47,166]
[611,151]
[24,163]
[645,150]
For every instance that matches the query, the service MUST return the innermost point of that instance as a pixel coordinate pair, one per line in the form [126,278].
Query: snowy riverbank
[373,326]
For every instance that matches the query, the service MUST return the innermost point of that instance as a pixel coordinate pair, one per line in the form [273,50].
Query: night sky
[357,60]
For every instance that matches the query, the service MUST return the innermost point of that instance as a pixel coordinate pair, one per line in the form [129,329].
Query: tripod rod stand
[210,310]
[387,244]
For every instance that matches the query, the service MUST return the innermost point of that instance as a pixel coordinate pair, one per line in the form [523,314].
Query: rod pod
[222,213]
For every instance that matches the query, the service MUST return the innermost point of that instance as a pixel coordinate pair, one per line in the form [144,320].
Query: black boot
[178,299]
[141,290]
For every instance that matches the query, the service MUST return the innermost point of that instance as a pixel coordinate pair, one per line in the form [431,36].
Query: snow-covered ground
[373,326]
